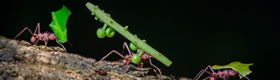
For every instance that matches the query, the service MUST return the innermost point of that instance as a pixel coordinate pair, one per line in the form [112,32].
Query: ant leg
[111,53]
[24,30]
[207,78]
[207,72]
[128,49]
[140,66]
[201,74]
[154,65]
[126,65]
[46,43]
[126,46]
[61,45]
[37,41]
[227,75]
[38,26]
[202,71]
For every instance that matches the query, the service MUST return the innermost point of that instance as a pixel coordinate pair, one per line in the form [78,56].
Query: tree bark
[19,60]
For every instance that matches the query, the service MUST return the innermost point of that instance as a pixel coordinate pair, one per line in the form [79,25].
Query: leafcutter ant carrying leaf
[58,25]
[41,36]
[238,69]
[242,69]
[137,58]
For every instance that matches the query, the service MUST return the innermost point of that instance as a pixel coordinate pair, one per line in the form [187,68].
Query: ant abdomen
[124,61]
[33,39]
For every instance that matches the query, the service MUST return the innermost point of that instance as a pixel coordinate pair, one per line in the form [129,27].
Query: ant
[221,74]
[134,58]
[41,36]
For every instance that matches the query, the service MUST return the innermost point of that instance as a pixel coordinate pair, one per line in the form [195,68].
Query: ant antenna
[70,43]
[246,77]
[61,45]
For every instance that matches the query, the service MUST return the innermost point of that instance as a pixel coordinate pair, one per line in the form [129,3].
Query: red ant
[221,74]
[41,36]
[131,57]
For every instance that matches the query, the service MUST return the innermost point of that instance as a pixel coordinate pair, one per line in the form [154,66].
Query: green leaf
[58,24]
[242,69]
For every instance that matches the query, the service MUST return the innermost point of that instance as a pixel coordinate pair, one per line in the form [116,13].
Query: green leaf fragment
[242,69]
[58,24]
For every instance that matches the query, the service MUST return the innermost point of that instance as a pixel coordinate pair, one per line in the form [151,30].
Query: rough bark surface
[20,60]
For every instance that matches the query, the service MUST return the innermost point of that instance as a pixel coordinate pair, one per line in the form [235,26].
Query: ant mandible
[41,36]
[221,74]
[134,58]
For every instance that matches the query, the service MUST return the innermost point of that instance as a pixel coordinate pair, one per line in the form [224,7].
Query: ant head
[52,36]
[232,73]
[33,39]
[145,56]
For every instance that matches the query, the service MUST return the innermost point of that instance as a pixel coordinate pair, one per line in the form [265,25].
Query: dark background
[191,34]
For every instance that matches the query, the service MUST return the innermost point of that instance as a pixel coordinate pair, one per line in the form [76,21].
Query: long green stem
[123,31]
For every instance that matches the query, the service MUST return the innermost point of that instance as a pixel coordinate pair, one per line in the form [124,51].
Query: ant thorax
[46,36]
[216,75]
[42,37]
[225,73]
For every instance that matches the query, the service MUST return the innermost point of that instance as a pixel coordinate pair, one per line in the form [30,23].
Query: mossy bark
[19,60]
